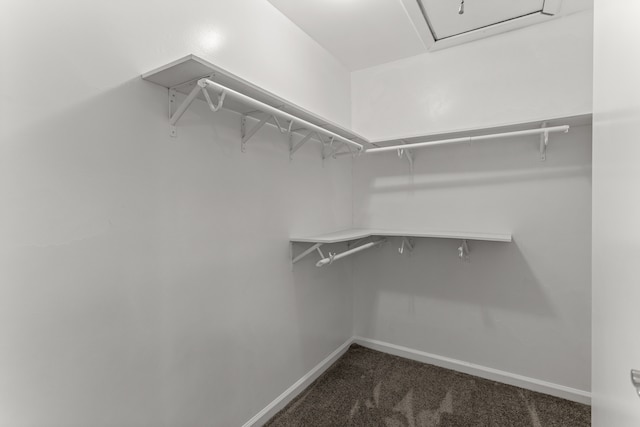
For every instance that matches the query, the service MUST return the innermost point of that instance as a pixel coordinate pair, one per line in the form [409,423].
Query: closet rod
[539,131]
[265,108]
[333,257]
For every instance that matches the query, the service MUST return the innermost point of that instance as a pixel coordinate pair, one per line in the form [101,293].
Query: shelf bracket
[246,135]
[315,247]
[294,147]
[326,147]
[544,142]
[172,102]
[635,380]
[335,152]
[463,250]
[408,153]
[213,107]
[283,130]
[173,119]
[175,116]
[406,245]
[348,151]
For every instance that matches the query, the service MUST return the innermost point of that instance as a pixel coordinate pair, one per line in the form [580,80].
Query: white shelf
[183,74]
[334,237]
[572,121]
[194,77]
[362,233]
[407,241]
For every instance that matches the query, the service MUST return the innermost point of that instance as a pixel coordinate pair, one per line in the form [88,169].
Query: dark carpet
[368,388]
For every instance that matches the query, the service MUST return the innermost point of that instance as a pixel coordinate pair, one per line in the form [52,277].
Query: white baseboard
[533,384]
[289,394]
[540,386]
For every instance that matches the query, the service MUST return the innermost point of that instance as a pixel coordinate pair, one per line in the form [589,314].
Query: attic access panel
[440,24]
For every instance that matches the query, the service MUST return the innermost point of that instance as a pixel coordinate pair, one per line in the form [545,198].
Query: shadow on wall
[478,178]
[522,307]
[497,277]
[501,161]
[318,291]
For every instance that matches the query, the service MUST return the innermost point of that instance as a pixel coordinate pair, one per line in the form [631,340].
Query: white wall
[523,307]
[534,73]
[144,280]
[616,209]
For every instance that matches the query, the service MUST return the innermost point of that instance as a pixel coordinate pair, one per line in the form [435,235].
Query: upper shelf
[183,74]
[361,233]
[198,78]
[575,120]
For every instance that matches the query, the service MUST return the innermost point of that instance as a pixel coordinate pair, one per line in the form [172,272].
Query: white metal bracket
[315,247]
[327,148]
[172,102]
[247,134]
[463,250]
[348,152]
[635,380]
[334,153]
[209,90]
[294,147]
[406,245]
[282,129]
[212,107]
[408,153]
[544,141]
[175,116]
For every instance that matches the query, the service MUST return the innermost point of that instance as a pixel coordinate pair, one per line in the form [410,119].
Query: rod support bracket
[331,257]
[327,147]
[544,142]
[463,250]
[243,131]
[311,249]
[294,147]
[635,380]
[247,134]
[173,132]
[408,153]
[406,245]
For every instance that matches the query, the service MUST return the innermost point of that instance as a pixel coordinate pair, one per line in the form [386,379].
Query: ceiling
[365,33]
[359,33]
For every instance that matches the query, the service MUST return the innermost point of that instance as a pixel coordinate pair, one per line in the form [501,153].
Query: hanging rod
[333,257]
[539,131]
[204,83]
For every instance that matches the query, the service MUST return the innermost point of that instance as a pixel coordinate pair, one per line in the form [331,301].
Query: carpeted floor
[368,388]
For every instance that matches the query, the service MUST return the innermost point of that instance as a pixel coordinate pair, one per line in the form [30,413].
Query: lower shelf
[362,234]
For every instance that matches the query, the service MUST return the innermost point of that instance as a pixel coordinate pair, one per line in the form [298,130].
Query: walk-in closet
[245,213]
